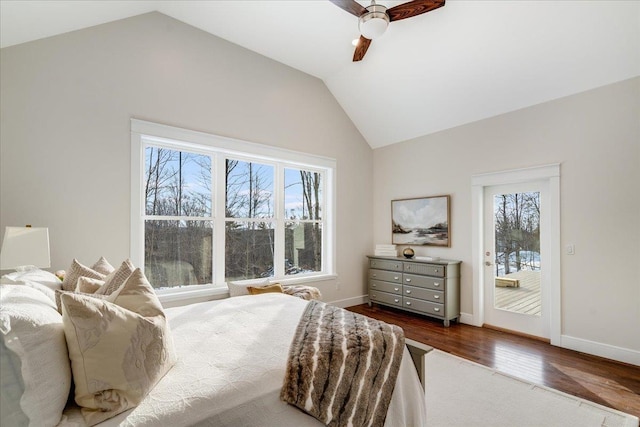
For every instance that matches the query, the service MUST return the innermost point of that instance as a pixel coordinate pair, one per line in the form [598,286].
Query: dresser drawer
[428,269]
[427,307]
[423,281]
[385,298]
[392,288]
[385,264]
[423,293]
[387,276]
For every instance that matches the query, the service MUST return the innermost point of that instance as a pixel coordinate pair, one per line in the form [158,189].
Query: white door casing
[551,175]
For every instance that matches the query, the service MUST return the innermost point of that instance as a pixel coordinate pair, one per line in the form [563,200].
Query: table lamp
[25,248]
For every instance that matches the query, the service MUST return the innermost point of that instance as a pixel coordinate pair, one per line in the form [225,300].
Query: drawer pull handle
[407,280]
[373,263]
[396,289]
[374,275]
[436,296]
[436,284]
[408,291]
[373,296]
[436,309]
[408,302]
[397,266]
[436,270]
[396,278]
[374,285]
[408,267]
[396,300]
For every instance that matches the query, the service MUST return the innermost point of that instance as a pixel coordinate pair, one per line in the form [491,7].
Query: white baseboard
[467,319]
[620,354]
[344,303]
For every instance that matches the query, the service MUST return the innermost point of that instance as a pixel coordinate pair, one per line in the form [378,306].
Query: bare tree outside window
[178,248]
[517,232]
[303,230]
[249,242]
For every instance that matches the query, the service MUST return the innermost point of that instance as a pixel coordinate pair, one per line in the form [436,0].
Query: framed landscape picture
[421,221]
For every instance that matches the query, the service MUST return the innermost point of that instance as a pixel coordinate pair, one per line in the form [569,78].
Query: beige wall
[595,136]
[65,107]
[66,104]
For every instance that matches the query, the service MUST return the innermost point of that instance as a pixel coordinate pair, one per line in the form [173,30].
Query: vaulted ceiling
[464,62]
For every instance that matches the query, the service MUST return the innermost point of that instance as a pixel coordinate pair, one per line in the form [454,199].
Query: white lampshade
[25,246]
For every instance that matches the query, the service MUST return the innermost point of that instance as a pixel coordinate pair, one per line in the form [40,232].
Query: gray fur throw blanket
[342,366]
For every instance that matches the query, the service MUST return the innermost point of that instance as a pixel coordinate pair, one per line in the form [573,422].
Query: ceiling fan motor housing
[373,23]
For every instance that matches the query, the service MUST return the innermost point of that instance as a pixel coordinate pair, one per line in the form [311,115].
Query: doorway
[517,251]
[514,289]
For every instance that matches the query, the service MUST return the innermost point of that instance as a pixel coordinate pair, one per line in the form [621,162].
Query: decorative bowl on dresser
[426,287]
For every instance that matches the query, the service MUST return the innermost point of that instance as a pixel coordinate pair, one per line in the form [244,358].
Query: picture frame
[423,221]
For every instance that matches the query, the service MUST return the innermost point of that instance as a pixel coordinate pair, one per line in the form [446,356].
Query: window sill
[190,296]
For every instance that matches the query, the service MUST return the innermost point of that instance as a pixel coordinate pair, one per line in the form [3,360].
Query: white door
[516,239]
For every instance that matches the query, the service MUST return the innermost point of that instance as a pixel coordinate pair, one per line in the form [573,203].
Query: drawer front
[385,298]
[423,293]
[392,288]
[385,264]
[423,281]
[427,307]
[428,269]
[387,276]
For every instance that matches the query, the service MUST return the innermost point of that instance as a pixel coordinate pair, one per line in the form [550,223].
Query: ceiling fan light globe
[373,28]
[375,22]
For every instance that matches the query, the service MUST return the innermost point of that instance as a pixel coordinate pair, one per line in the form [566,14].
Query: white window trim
[195,141]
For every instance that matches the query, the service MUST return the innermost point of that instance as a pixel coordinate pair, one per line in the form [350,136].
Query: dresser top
[420,260]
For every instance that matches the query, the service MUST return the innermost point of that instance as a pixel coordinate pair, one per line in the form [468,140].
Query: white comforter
[232,356]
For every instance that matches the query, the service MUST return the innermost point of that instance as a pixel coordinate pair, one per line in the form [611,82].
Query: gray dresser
[426,287]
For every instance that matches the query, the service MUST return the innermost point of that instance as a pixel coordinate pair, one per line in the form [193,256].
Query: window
[207,209]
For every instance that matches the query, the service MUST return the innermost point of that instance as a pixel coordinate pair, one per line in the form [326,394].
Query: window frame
[144,133]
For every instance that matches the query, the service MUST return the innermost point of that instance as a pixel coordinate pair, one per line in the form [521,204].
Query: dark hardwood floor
[607,382]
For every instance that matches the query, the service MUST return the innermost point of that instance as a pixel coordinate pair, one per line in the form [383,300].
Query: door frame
[551,174]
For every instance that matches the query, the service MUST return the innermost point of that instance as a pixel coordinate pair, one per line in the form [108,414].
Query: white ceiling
[466,61]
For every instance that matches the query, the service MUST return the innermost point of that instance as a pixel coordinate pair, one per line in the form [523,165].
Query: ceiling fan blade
[413,8]
[361,48]
[351,6]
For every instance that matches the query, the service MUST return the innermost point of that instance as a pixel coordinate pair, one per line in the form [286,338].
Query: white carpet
[463,393]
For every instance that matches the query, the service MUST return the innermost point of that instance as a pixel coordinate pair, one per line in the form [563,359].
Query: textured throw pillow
[59,293]
[88,285]
[36,377]
[114,280]
[237,289]
[119,347]
[276,287]
[78,270]
[102,266]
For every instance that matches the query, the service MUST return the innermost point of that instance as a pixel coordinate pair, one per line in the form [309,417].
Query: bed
[231,360]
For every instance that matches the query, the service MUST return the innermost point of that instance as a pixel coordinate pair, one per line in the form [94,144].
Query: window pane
[178,253]
[249,190]
[249,250]
[303,194]
[303,248]
[177,183]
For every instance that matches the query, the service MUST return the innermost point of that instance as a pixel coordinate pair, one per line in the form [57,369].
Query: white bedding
[232,356]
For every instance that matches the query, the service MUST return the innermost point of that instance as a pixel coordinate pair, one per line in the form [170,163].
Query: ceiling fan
[374,19]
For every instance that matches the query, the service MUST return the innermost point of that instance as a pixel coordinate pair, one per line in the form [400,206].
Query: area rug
[463,393]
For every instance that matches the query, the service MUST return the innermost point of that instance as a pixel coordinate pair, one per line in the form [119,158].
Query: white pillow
[42,277]
[33,334]
[119,347]
[237,289]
